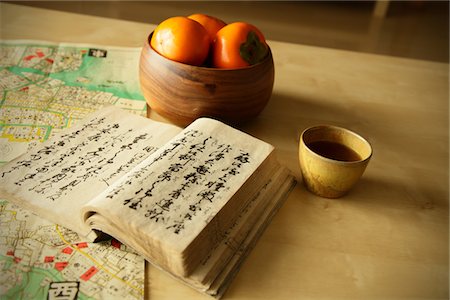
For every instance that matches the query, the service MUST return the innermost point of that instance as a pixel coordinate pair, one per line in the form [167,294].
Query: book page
[56,178]
[169,198]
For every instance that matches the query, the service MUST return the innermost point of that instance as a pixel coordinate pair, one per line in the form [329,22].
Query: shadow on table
[288,116]
[285,117]
[396,194]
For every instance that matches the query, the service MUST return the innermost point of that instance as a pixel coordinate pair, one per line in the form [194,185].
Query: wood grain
[182,93]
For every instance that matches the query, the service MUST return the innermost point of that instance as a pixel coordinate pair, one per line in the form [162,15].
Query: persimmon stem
[253,50]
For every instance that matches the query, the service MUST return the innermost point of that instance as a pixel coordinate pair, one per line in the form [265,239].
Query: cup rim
[268,57]
[367,158]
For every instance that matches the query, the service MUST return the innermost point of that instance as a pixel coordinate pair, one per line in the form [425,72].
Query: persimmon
[238,45]
[211,24]
[181,39]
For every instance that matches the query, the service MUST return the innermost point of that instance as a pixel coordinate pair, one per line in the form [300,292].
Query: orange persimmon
[211,24]
[181,39]
[238,45]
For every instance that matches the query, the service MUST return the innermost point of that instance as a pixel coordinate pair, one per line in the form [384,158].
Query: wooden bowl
[182,93]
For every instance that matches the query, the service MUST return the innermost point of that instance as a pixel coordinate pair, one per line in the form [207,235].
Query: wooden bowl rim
[266,59]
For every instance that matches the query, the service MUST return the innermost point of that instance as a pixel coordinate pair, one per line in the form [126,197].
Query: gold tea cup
[332,159]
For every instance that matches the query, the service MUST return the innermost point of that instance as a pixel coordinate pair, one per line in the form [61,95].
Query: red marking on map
[49,259]
[10,253]
[29,57]
[17,259]
[81,245]
[61,265]
[116,243]
[67,250]
[40,54]
[89,273]
[50,60]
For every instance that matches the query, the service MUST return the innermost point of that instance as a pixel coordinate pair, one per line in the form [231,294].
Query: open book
[193,202]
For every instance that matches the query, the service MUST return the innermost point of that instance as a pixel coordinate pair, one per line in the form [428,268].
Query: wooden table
[387,239]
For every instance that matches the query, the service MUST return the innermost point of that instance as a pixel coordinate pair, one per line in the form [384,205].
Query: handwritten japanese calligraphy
[183,180]
[75,165]
[80,155]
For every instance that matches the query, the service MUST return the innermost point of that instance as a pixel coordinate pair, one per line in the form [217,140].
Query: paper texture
[191,205]
[65,172]
[44,88]
[184,183]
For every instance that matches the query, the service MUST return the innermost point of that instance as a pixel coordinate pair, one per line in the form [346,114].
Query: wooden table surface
[388,238]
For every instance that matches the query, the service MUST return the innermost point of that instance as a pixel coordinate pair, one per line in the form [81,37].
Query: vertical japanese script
[99,151]
[183,180]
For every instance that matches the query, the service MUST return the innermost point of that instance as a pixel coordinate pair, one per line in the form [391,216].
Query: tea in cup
[332,159]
